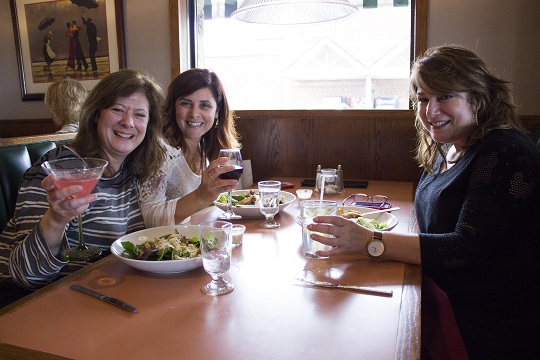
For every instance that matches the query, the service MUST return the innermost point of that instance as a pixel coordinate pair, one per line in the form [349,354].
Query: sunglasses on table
[375,202]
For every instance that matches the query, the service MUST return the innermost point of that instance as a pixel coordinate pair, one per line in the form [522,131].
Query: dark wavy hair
[150,154]
[221,136]
[451,69]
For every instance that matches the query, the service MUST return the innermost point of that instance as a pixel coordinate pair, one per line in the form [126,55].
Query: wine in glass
[269,202]
[235,159]
[85,172]
[215,239]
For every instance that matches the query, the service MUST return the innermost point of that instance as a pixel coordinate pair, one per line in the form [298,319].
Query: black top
[479,225]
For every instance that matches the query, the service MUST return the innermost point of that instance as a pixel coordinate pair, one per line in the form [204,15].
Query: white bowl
[161,267]
[385,217]
[253,210]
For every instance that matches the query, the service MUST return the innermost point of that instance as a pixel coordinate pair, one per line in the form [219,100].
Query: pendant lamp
[293,12]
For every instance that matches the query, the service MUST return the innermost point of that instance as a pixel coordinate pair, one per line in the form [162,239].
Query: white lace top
[158,194]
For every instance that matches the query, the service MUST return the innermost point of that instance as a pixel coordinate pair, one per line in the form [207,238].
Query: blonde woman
[65,98]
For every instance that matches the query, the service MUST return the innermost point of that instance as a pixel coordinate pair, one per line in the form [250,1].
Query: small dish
[304,194]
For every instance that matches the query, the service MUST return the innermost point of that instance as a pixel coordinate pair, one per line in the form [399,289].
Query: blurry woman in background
[65,98]
[198,123]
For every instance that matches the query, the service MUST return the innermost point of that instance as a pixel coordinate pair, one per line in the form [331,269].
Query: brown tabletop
[268,316]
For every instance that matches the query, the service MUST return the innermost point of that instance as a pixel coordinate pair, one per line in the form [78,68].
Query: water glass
[269,192]
[309,210]
[215,238]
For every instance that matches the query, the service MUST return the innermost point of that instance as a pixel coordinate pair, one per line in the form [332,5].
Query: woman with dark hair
[476,208]
[198,123]
[121,123]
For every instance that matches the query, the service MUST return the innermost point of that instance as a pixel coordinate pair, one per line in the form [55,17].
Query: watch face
[375,248]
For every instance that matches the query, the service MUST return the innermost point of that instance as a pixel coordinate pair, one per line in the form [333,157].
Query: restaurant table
[269,315]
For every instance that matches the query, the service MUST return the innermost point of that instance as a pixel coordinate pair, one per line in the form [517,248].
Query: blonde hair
[451,69]
[65,98]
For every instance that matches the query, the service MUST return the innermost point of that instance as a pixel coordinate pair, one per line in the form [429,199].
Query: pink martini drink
[85,172]
[88,183]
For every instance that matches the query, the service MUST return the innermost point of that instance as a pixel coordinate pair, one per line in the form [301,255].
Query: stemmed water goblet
[215,239]
[85,172]
[269,192]
[234,158]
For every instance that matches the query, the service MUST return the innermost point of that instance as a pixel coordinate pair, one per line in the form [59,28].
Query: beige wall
[505,33]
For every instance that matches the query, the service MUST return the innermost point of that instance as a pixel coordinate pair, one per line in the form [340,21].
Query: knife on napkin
[361,289]
[114,301]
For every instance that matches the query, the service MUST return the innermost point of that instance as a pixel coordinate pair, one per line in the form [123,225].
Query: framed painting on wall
[55,39]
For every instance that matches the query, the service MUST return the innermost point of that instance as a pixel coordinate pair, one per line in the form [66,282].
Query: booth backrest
[15,159]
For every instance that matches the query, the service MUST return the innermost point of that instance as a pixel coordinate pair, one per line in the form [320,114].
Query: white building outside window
[360,62]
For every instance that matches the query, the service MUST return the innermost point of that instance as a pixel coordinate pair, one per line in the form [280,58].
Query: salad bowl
[251,210]
[161,267]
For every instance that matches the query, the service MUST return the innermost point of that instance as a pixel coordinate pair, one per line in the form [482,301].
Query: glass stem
[81,246]
[229,202]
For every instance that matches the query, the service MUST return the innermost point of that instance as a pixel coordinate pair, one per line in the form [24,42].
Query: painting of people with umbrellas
[81,39]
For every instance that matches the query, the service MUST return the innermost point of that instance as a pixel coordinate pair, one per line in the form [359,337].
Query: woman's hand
[211,185]
[349,237]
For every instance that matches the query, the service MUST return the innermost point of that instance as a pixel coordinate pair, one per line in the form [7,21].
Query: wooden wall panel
[27,127]
[376,145]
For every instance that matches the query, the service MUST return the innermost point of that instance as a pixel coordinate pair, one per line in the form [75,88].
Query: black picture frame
[32,24]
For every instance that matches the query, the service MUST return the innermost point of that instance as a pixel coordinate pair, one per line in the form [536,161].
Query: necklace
[192,162]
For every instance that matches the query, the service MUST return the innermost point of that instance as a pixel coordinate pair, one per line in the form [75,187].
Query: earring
[476,118]
[217,123]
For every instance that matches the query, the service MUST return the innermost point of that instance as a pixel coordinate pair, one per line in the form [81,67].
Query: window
[361,62]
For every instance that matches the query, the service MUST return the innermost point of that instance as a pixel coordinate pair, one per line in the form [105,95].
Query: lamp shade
[292,12]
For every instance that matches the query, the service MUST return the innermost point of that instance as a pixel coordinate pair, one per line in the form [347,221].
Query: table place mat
[346,183]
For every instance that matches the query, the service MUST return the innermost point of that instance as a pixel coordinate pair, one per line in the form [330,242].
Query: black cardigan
[479,225]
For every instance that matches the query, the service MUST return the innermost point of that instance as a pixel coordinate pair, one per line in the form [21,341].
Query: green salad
[371,224]
[240,199]
[166,247]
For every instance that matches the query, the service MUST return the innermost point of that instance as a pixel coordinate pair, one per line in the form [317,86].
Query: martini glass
[85,172]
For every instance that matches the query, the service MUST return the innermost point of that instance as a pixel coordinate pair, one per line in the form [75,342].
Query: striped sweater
[24,254]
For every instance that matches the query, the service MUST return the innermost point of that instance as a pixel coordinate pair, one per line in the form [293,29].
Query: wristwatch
[375,247]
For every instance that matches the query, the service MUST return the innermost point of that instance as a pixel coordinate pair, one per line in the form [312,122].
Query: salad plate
[161,267]
[386,218]
[252,210]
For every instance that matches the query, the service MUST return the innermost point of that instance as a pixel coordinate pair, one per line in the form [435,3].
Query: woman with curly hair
[121,123]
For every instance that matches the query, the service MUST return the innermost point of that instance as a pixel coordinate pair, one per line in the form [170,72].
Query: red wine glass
[235,159]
